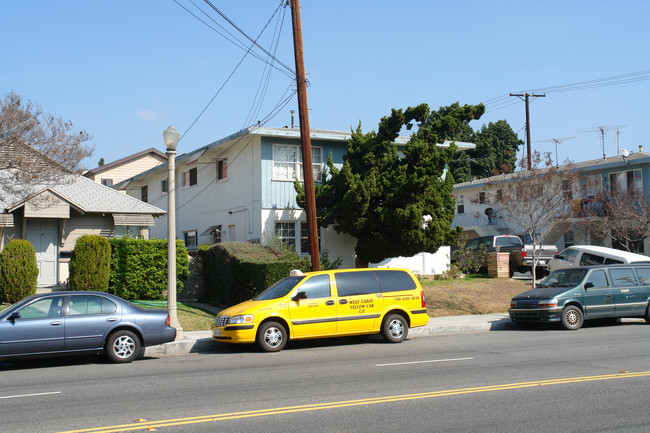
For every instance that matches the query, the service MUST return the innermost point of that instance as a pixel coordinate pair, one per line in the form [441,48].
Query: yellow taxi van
[327,304]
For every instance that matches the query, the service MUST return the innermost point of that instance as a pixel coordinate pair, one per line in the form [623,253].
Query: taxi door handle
[329,303]
[343,301]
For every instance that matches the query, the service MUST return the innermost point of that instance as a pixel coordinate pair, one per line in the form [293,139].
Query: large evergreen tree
[395,201]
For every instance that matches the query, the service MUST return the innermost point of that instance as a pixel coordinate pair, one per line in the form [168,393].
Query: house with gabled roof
[241,188]
[124,168]
[54,212]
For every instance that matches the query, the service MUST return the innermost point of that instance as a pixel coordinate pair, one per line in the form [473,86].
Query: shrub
[467,261]
[237,271]
[139,268]
[18,271]
[90,264]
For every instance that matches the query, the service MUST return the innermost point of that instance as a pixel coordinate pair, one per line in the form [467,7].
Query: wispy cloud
[147,115]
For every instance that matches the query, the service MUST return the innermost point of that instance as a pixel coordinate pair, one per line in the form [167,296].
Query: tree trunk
[360,263]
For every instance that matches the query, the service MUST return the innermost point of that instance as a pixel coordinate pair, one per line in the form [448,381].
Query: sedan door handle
[112,319]
[56,323]
[343,301]
[329,302]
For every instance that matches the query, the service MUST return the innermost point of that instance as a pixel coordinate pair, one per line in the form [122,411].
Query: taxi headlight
[243,318]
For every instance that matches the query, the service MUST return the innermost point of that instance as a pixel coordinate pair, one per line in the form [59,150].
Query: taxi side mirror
[298,296]
[588,285]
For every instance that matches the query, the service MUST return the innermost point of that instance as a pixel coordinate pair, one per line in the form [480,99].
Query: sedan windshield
[564,278]
[279,289]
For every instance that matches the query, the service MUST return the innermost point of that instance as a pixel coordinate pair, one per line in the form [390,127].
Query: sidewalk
[201,341]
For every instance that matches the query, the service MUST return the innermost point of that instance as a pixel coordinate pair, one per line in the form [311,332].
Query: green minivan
[573,295]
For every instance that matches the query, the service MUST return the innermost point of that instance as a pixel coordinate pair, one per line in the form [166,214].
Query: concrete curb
[202,342]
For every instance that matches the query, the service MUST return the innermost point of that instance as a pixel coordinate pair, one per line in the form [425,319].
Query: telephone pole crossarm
[526,98]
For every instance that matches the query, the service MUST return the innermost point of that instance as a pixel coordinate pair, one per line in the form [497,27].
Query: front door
[39,329]
[43,235]
[313,313]
[599,299]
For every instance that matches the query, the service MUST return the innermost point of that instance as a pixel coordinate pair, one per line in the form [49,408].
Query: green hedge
[90,264]
[139,268]
[237,271]
[18,271]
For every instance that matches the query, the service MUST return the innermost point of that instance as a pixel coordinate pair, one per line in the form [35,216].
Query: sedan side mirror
[298,296]
[588,285]
[13,316]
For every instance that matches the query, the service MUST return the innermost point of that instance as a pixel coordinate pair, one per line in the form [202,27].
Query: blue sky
[125,70]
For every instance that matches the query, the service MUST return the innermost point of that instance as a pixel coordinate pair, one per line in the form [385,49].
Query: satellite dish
[625,153]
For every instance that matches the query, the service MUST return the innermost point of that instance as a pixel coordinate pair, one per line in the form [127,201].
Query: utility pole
[305,137]
[526,97]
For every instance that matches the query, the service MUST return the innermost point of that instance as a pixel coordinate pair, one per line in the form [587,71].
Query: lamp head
[171,137]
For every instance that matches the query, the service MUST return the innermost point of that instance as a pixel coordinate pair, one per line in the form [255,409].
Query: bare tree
[534,201]
[622,216]
[36,148]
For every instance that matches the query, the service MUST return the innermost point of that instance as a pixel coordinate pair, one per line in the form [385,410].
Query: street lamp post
[171,137]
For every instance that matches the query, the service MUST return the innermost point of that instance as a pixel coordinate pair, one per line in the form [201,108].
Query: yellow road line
[348,403]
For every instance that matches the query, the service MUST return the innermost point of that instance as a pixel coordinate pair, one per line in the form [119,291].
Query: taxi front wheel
[272,337]
[394,329]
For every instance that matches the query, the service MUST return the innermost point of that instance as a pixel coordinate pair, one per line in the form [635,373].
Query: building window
[286,233]
[144,193]
[304,238]
[499,194]
[163,186]
[222,169]
[481,197]
[216,235]
[626,182]
[190,239]
[287,162]
[461,204]
[189,177]
[107,182]
[566,190]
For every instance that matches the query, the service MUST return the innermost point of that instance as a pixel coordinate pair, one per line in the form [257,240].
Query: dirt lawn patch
[470,295]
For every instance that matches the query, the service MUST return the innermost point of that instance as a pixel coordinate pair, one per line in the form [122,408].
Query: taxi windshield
[563,278]
[279,289]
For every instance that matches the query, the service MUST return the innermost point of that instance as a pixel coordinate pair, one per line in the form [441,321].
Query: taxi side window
[316,287]
[598,278]
[591,259]
[395,281]
[623,277]
[644,276]
[356,283]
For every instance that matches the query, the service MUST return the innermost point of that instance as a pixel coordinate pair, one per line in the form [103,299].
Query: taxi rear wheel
[272,337]
[572,318]
[394,329]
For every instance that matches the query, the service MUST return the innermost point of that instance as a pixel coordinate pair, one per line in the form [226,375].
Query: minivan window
[623,277]
[644,276]
[316,287]
[569,255]
[598,278]
[591,259]
[356,283]
[394,281]
[563,278]
[279,289]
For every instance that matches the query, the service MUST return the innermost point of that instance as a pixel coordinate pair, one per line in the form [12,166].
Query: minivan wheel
[394,329]
[272,337]
[572,318]
[122,346]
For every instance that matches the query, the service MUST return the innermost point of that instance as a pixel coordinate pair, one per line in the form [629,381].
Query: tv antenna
[602,130]
[556,141]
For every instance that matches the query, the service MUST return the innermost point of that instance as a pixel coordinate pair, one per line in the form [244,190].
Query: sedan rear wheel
[123,346]
[572,318]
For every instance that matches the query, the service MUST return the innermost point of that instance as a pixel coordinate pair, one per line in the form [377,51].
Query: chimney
[640,147]
[293,115]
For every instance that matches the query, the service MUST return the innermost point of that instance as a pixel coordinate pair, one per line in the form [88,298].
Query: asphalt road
[547,379]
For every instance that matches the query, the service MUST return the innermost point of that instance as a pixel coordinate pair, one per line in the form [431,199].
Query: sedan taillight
[167,322]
